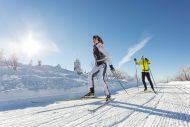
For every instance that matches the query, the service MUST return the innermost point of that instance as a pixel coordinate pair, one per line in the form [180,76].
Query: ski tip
[91,111]
[155,92]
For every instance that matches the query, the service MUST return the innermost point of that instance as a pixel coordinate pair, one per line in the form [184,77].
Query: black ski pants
[147,75]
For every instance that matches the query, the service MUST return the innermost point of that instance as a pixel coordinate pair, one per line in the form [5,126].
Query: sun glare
[30,46]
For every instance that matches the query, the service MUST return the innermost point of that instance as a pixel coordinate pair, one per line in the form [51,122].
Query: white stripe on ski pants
[100,71]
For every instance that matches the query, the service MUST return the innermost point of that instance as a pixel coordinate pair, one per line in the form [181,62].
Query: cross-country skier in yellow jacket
[144,62]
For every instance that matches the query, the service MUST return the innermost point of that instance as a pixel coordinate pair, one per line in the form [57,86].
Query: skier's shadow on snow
[15,106]
[71,107]
[152,111]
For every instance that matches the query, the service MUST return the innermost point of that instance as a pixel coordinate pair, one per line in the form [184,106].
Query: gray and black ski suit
[102,59]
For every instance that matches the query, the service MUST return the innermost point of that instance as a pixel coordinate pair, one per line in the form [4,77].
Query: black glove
[112,68]
[146,59]
[135,59]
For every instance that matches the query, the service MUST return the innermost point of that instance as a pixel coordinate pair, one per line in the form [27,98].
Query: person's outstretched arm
[138,62]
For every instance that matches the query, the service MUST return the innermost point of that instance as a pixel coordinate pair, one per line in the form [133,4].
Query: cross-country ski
[102,105]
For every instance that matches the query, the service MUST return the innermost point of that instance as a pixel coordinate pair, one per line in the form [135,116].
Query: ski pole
[120,84]
[137,77]
[153,79]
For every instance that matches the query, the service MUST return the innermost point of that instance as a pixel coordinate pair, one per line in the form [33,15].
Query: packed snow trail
[169,108]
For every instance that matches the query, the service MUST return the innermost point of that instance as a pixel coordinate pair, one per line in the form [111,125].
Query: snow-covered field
[34,96]
[169,108]
[47,83]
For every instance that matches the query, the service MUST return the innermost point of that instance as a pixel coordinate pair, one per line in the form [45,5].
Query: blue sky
[70,24]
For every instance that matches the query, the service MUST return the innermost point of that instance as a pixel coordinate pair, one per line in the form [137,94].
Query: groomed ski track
[169,108]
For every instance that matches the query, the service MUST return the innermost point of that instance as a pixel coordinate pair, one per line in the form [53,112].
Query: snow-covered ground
[169,108]
[34,96]
[47,83]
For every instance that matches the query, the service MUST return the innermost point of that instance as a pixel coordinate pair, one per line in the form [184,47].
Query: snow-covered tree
[39,63]
[184,74]
[77,67]
[58,67]
[13,61]
[30,63]
[118,74]
[1,55]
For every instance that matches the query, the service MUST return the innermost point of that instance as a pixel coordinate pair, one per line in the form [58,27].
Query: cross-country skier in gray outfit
[102,59]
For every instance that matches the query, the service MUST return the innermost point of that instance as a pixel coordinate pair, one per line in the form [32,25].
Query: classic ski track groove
[85,116]
[134,110]
[41,113]
[135,114]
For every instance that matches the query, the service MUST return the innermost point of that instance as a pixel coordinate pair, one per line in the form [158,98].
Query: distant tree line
[183,74]
[10,62]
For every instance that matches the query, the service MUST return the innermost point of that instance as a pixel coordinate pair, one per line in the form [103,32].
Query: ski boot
[90,93]
[145,89]
[108,98]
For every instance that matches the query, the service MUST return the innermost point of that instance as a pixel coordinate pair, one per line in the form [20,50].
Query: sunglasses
[95,36]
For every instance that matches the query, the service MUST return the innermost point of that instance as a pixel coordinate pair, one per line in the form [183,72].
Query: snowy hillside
[38,78]
[46,82]
[169,108]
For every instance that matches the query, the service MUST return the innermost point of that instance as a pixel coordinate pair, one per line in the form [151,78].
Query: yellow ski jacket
[144,64]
